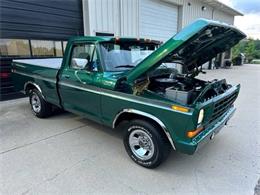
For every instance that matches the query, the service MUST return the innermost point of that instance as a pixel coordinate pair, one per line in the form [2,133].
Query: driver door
[79,93]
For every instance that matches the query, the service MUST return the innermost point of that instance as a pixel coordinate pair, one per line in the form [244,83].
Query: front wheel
[39,106]
[146,144]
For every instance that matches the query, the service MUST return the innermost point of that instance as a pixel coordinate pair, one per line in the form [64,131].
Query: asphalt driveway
[66,154]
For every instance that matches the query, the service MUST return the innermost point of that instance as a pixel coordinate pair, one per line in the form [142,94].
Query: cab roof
[112,39]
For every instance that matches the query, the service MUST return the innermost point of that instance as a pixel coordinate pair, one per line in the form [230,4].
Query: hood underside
[195,45]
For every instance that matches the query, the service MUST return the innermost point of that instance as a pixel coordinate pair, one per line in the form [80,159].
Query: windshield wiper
[125,66]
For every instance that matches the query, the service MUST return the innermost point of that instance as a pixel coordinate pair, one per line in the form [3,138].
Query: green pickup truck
[135,85]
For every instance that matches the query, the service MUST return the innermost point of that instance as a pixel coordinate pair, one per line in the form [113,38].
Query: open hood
[195,45]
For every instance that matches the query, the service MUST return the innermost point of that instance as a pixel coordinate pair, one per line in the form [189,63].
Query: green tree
[256,54]
[250,50]
[236,50]
[250,47]
[239,48]
[257,44]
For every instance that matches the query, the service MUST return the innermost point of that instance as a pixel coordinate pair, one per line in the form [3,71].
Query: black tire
[44,108]
[162,147]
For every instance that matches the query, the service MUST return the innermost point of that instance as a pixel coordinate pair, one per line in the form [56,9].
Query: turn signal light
[180,108]
[191,134]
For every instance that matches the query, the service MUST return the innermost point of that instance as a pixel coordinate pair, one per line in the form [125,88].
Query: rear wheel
[39,106]
[145,144]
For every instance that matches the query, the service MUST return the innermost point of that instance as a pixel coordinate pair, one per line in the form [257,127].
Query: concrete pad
[66,154]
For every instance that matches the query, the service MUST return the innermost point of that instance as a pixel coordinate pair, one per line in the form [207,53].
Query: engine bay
[182,88]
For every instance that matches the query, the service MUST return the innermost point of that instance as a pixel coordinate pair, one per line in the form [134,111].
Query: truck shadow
[176,163]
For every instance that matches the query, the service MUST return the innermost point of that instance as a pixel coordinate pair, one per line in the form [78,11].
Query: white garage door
[158,20]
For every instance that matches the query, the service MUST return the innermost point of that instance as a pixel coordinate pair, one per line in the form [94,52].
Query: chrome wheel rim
[36,103]
[141,144]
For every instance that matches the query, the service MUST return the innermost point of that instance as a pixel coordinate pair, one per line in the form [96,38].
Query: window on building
[64,45]
[21,47]
[104,34]
[14,47]
[58,48]
[42,48]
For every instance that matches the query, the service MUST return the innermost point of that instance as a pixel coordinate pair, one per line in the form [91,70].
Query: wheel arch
[127,114]
[31,85]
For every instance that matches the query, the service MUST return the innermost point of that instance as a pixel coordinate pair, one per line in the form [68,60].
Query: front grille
[222,106]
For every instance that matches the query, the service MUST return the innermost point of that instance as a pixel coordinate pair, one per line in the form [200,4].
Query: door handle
[66,76]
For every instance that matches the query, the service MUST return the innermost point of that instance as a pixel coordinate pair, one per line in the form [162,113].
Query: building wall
[223,17]
[119,17]
[130,18]
[193,11]
[122,17]
[102,16]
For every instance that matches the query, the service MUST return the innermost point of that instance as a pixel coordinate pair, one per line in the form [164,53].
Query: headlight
[201,116]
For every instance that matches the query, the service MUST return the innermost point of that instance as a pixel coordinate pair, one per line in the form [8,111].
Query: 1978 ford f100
[133,84]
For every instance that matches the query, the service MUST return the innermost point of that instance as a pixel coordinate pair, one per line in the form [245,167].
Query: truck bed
[42,72]
[54,63]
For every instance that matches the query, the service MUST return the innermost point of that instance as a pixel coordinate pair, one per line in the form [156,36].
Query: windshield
[124,56]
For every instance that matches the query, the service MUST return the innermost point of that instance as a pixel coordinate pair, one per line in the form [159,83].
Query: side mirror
[79,63]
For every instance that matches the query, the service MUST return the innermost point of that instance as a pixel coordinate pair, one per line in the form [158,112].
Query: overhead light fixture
[203,8]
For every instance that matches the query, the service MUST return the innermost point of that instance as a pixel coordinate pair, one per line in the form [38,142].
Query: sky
[250,22]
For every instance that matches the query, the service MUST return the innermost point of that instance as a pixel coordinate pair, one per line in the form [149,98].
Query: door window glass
[84,57]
